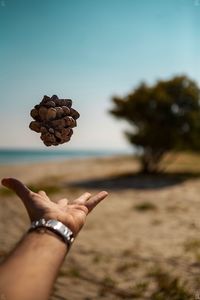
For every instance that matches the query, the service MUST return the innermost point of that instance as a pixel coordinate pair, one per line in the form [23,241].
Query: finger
[63,202]
[43,194]
[93,201]
[18,187]
[82,199]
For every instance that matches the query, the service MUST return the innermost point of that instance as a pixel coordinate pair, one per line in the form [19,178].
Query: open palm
[39,205]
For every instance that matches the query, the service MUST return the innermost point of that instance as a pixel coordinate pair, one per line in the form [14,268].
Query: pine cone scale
[54,119]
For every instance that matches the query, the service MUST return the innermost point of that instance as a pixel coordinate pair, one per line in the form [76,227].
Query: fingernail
[106,193]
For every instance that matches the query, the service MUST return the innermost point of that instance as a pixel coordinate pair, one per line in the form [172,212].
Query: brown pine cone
[54,118]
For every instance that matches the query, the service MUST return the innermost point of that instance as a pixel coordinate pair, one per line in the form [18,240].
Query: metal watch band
[57,227]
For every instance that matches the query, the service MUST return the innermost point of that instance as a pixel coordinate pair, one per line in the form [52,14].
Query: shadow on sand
[136,181]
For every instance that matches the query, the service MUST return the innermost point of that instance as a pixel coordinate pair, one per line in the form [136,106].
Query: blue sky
[89,50]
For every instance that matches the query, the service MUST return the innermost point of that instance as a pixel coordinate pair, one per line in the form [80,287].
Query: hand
[38,205]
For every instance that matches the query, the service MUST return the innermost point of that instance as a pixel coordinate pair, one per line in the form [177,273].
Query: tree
[164,117]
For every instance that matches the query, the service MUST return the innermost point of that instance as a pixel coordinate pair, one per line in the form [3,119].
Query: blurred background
[89,51]
[132,70]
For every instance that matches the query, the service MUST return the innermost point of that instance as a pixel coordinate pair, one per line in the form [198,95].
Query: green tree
[164,117]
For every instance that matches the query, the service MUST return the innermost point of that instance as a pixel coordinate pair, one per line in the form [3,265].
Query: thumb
[18,187]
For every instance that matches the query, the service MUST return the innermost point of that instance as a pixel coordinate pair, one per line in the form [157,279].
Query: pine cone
[54,118]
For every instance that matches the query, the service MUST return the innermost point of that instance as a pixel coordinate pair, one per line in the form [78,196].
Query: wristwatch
[56,226]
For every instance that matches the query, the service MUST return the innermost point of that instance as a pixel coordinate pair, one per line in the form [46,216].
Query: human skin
[30,270]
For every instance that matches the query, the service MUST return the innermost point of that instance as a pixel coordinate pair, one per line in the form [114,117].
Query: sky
[89,51]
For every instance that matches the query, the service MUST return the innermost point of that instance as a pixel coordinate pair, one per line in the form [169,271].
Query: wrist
[55,226]
[43,237]
[41,231]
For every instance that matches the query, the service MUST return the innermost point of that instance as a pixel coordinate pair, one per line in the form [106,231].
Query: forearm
[31,270]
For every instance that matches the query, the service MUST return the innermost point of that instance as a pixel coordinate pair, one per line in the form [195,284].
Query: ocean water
[16,156]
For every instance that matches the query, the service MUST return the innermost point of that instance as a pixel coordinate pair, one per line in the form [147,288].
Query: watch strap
[55,226]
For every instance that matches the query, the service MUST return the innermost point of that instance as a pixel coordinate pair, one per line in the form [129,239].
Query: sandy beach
[142,242]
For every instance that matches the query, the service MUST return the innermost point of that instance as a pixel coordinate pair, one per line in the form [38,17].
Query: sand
[142,242]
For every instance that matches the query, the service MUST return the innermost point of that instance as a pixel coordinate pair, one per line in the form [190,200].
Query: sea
[18,156]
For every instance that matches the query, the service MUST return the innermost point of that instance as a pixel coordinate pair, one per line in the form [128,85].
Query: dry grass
[145,206]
